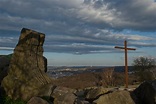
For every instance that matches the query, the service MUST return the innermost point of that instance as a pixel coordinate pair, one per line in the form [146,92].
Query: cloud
[79,48]
[120,14]
[6,48]
[129,37]
[110,14]
[134,14]
[79,26]
[8,41]
[142,44]
[97,43]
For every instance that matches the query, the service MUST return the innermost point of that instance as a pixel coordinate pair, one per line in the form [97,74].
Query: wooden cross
[126,62]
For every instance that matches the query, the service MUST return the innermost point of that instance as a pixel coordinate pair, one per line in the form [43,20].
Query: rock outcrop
[37,100]
[146,92]
[26,76]
[63,95]
[94,93]
[116,97]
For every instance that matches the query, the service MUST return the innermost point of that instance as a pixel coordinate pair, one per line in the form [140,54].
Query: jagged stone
[26,76]
[81,101]
[37,100]
[95,93]
[45,64]
[81,93]
[146,92]
[63,95]
[117,97]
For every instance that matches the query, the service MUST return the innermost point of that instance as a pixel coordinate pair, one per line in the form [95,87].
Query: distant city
[61,71]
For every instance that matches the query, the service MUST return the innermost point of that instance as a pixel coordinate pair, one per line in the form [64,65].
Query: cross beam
[126,62]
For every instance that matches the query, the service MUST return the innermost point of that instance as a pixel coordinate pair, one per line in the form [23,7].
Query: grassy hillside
[93,79]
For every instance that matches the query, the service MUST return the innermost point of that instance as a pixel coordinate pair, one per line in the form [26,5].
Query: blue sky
[82,32]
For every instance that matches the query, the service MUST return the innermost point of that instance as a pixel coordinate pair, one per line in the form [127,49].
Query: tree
[144,67]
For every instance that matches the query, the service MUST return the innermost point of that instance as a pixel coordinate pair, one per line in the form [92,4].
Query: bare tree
[108,76]
[144,68]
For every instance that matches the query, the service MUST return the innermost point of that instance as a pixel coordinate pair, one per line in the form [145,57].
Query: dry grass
[84,80]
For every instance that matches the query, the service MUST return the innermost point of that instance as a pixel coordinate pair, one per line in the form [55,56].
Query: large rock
[94,93]
[80,101]
[146,92]
[45,64]
[26,76]
[63,95]
[37,100]
[116,97]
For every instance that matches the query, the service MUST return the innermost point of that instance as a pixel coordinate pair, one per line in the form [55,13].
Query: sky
[82,32]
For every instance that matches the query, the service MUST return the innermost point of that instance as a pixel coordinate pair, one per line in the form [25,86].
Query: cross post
[126,62]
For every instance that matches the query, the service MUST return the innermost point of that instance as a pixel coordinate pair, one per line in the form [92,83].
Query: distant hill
[8,56]
[122,68]
[2,55]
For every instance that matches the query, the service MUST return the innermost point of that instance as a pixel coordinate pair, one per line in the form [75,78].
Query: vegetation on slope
[6,100]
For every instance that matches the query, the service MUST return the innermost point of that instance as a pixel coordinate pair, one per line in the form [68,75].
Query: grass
[7,100]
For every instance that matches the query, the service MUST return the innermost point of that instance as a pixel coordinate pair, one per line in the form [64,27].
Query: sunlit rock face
[26,77]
